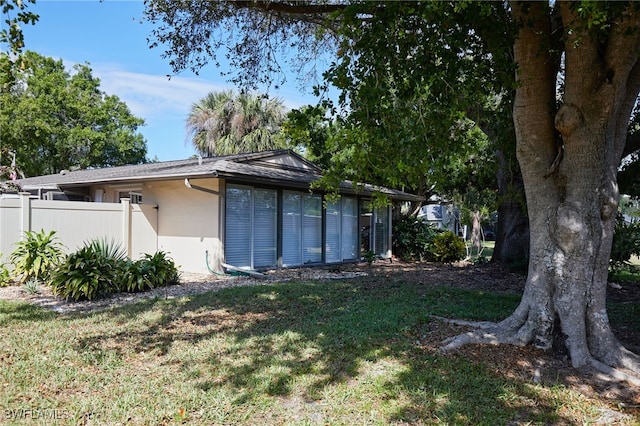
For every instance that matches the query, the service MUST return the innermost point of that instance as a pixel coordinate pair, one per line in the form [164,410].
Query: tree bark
[569,158]
[512,230]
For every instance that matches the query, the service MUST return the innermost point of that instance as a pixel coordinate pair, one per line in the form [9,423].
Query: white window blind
[238,226]
[332,232]
[264,227]
[312,229]
[291,228]
[349,228]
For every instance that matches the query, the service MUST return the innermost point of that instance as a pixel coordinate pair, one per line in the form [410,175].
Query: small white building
[253,211]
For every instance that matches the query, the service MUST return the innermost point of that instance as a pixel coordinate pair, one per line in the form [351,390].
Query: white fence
[134,226]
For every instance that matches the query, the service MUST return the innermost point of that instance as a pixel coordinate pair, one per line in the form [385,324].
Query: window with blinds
[349,228]
[291,228]
[238,228]
[312,229]
[251,226]
[333,225]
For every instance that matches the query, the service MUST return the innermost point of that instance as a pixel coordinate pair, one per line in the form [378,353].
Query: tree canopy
[569,142]
[55,120]
[15,13]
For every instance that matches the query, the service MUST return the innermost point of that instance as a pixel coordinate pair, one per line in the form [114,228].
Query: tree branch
[288,8]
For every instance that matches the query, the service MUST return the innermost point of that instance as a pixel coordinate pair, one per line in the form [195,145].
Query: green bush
[161,269]
[413,239]
[447,247]
[101,268]
[92,272]
[626,242]
[151,271]
[36,255]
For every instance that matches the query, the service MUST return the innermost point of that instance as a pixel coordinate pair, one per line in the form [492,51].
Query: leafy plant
[93,271]
[4,274]
[447,247]
[161,269]
[626,242]
[157,270]
[36,255]
[369,256]
[32,286]
[413,238]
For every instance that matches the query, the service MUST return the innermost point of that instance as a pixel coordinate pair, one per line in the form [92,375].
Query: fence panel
[10,226]
[144,230]
[77,222]
[135,226]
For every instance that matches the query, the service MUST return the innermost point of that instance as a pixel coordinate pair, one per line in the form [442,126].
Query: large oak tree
[569,142]
[54,119]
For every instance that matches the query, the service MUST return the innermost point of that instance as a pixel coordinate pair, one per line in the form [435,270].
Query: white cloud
[154,96]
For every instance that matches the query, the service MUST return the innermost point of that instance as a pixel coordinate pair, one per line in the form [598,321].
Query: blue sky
[112,37]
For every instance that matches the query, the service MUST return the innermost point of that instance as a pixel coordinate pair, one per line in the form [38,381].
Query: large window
[251,226]
[375,229]
[341,232]
[349,229]
[291,228]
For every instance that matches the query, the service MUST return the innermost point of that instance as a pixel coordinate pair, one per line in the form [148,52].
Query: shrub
[447,247]
[413,238]
[101,268]
[161,269]
[93,271]
[151,271]
[626,242]
[36,255]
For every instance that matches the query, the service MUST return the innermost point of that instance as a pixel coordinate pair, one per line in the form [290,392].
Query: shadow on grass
[302,339]
[21,311]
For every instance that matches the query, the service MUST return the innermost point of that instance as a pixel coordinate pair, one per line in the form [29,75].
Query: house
[442,216]
[252,211]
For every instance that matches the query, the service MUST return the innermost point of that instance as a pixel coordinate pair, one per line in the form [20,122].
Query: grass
[486,250]
[341,352]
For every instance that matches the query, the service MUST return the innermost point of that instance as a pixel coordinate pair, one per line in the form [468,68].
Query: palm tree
[223,123]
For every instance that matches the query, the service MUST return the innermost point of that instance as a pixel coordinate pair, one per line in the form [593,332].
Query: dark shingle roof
[253,167]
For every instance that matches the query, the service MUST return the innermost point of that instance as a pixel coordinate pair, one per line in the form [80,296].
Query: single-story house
[252,211]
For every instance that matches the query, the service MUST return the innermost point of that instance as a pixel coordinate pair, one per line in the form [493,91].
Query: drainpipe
[200,188]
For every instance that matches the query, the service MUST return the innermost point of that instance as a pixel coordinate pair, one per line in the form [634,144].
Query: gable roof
[276,167]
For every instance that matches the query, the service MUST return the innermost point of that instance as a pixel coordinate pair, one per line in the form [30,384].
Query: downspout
[200,188]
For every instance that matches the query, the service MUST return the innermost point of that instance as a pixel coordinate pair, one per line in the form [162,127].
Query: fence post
[25,213]
[126,225]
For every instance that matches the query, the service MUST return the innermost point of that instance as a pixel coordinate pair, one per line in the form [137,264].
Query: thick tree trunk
[569,159]
[512,231]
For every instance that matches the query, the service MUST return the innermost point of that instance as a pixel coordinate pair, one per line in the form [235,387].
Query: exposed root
[485,333]
[613,373]
[474,324]
[498,334]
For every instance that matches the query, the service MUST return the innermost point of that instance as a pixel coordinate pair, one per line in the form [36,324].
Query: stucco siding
[188,222]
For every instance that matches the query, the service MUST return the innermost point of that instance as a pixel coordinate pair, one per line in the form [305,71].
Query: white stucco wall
[188,222]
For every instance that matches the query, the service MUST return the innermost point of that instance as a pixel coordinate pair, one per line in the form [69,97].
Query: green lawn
[334,352]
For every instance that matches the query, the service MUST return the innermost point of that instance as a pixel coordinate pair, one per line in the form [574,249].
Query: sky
[112,37]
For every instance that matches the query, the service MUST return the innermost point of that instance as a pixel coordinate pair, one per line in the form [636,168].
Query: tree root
[505,333]
[613,373]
